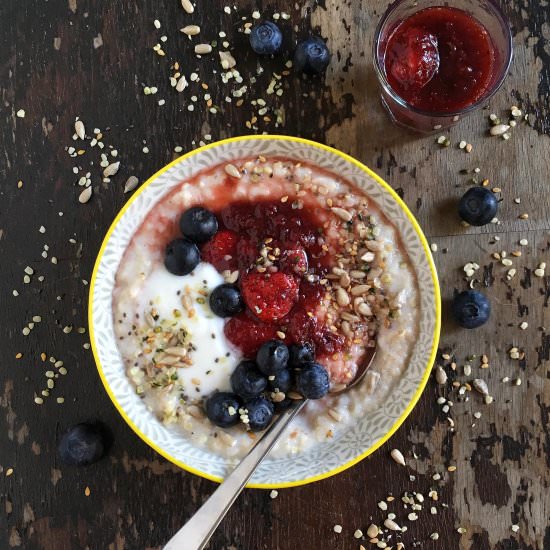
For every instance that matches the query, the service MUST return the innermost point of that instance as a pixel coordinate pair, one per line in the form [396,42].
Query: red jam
[440,59]
[286,245]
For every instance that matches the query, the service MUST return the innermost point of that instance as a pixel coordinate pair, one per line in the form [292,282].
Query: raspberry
[218,249]
[415,58]
[248,334]
[270,296]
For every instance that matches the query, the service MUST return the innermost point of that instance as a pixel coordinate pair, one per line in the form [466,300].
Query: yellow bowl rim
[431,264]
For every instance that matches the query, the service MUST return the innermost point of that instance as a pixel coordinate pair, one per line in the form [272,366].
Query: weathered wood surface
[49,68]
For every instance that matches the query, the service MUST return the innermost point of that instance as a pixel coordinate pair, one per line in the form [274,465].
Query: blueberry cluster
[259,386]
[182,255]
[311,56]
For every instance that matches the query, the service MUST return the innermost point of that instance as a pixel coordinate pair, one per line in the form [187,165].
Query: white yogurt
[214,357]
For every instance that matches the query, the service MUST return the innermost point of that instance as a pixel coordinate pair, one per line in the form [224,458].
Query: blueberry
[478,206]
[282,406]
[282,380]
[226,300]
[247,381]
[198,224]
[471,309]
[222,409]
[272,357]
[181,256]
[300,353]
[260,413]
[311,56]
[82,444]
[266,38]
[312,380]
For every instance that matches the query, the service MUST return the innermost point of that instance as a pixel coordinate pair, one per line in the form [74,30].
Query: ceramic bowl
[327,458]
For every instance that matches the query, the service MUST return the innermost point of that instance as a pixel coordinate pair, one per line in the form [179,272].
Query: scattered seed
[499,129]
[181,84]
[398,457]
[111,169]
[390,524]
[481,386]
[358,534]
[201,49]
[85,196]
[79,129]
[191,30]
[372,531]
[337,528]
[440,375]
[131,183]
[187,6]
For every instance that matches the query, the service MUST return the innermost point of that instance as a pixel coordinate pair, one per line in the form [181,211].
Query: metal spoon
[196,533]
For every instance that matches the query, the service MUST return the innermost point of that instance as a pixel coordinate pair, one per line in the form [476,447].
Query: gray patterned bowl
[327,458]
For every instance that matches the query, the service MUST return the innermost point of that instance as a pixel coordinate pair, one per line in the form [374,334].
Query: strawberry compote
[440,59]
[282,257]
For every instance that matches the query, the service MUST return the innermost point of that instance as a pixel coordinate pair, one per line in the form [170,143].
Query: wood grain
[50,68]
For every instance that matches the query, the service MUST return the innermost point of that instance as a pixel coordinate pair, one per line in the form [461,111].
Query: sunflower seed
[232,171]
[440,375]
[131,183]
[359,290]
[176,351]
[481,386]
[335,415]
[372,531]
[191,30]
[499,129]
[364,310]
[356,274]
[187,6]
[79,129]
[201,49]
[85,196]
[181,84]
[342,297]
[345,280]
[294,395]
[398,456]
[111,170]
[390,524]
[342,214]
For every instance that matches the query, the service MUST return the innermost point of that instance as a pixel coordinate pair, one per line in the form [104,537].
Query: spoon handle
[196,533]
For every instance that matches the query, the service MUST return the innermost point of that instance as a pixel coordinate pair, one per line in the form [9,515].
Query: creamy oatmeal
[315,261]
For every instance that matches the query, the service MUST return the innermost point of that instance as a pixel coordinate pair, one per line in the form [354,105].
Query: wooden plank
[50,68]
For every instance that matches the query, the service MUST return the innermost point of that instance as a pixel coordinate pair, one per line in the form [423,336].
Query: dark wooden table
[62,59]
